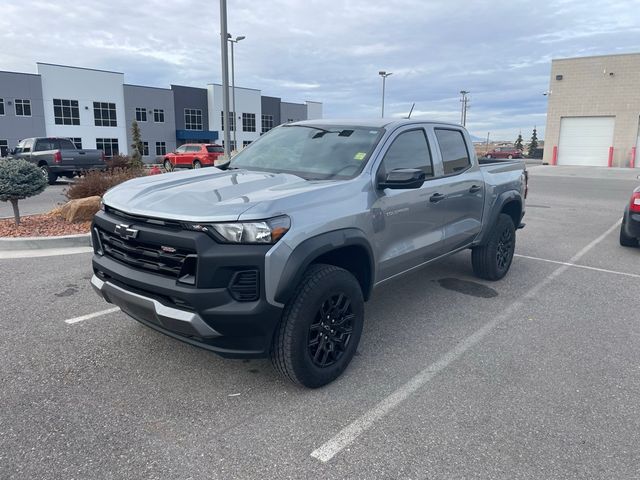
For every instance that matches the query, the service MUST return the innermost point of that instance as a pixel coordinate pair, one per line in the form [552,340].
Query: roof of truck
[371,122]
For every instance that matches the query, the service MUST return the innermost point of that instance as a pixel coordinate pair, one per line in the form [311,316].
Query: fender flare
[495,210]
[306,252]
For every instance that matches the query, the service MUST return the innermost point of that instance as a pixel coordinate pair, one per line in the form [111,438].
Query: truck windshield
[313,152]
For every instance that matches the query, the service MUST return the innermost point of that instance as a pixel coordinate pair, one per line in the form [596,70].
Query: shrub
[19,179]
[118,161]
[96,182]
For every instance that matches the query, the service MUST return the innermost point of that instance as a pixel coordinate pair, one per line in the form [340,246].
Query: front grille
[146,256]
[244,286]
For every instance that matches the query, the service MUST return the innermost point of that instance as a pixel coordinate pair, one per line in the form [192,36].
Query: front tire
[49,175]
[510,157]
[320,327]
[168,166]
[493,260]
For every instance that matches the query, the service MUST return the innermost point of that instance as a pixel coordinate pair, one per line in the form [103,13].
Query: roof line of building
[78,68]
[241,88]
[146,86]
[595,56]
[20,73]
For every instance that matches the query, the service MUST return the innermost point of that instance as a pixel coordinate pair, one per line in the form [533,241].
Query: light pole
[384,76]
[464,100]
[225,73]
[233,87]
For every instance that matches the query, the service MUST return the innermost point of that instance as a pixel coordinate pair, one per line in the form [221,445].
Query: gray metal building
[270,113]
[192,115]
[153,109]
[292,112]
[21,108]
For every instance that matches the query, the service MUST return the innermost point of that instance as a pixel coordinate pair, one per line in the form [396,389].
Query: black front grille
[164,260]
[244,286]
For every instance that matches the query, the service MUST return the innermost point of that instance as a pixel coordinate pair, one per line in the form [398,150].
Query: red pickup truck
[504,152]
[195,155]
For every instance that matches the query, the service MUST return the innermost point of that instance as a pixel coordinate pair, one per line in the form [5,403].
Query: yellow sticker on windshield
[359,156]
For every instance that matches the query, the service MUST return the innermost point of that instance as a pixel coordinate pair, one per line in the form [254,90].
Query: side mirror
[403,178]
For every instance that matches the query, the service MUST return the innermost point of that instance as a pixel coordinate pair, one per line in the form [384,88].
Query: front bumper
[205,313]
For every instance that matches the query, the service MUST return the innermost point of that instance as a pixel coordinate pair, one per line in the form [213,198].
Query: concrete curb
[39,243]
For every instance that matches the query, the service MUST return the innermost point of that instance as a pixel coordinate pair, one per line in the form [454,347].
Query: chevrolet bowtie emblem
[125,232]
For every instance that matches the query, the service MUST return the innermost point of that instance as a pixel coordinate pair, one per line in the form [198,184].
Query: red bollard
[554,158]
[632,163]
[155,170]
[610,156]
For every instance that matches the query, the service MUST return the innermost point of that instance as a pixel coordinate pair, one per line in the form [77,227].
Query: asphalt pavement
[535,376]
[52,197]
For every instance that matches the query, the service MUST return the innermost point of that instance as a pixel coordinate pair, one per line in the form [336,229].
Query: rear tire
[493,260]
[510,157]
[168,166]
[626,240]
[488,156]
[320,327]
[49,175]
[197,164]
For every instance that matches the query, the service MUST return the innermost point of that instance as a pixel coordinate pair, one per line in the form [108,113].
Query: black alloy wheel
[331,332]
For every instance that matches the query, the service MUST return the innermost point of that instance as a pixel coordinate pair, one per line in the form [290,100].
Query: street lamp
[233,87]
[384,76]
[465,101]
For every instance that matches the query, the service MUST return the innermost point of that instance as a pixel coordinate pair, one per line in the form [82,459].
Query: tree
[19,179]
[518,143]
[533,144]
[137,147]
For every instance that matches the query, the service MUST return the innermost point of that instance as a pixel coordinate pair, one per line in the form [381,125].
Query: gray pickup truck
[277,255]
[58,157]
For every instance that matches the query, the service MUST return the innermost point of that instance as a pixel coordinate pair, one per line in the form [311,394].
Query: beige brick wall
[588,89]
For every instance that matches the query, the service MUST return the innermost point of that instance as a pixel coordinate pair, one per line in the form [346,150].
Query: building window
[141,114]
[193,119]
[105,114]
[158,115]
[4,148]
[1,106]
[161,148]
[23,108]
[66,112]
[248,122]
[108,145]
[245,143]
[77,141]
[232,143]
[145,149]
[267,123]
[289,120]
[232,120]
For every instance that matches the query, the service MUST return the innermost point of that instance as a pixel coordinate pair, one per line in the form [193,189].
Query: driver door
[408,223]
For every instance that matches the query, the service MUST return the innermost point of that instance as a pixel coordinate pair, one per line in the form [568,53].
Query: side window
[45,144]
[409,150]
[181,149]
[455,157]
[28,145]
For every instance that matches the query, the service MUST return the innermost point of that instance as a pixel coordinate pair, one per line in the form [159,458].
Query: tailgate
[81,159]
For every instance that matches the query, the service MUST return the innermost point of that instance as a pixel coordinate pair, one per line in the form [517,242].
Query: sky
[332,50]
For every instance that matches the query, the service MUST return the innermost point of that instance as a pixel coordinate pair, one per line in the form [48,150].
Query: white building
[248,113]
[85,105]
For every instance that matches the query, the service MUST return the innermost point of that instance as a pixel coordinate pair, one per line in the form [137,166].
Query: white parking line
[351,432]
[92,315]
[596,269]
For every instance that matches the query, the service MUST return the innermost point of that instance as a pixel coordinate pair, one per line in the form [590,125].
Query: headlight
[262,232]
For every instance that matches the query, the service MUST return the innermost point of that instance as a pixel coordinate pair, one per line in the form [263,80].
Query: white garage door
[585,140]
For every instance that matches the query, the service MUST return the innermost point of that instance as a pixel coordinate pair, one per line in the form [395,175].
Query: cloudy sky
[331,50]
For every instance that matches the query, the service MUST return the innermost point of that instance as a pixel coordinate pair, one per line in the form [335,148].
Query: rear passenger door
[463,190]
[407,224]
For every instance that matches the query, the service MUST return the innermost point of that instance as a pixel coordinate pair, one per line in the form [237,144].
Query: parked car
[630,228]
[277,255]
[195,155]
[58,157]
[504,152]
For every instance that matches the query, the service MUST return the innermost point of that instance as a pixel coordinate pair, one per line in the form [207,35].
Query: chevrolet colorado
[277,255]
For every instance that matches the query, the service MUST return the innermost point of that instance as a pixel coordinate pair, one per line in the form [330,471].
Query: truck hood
[204,195]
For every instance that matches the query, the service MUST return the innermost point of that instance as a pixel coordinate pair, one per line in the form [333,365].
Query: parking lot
[535,376]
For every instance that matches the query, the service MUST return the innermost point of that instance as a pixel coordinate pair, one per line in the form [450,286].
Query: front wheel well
[514,210]
[356,260]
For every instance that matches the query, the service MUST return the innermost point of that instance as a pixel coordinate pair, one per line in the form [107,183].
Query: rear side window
[66,144]
[409,150]
[193,148]
[212,149]
[46,144]
[455,157]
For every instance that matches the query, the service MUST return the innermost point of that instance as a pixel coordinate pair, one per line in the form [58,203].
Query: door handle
[475,189]
[436,197]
